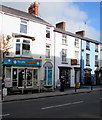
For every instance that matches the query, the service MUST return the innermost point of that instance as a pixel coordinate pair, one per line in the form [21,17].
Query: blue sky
[93,11]
[76,14]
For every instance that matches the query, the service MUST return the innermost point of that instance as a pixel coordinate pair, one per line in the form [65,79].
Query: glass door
[29,77]
[21,77]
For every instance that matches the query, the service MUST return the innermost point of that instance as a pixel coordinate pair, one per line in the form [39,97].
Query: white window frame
[21,45]
[24,23]
[88,60]
[48,47]
[48,32]
[64,39]
[87,45]
[76,43]
[64,54]
[96,47]
[96,61]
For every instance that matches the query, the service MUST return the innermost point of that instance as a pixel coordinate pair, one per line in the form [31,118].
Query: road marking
[62,105]
[4,115]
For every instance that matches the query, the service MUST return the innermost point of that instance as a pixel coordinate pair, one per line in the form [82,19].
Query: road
[82,105]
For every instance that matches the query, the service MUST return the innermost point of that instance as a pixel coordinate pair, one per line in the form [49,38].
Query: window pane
[17,49]
[25,49]
[47,32]
[17,40]
[23,28]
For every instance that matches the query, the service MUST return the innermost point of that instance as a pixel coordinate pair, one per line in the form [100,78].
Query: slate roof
[77,36]
[23,14]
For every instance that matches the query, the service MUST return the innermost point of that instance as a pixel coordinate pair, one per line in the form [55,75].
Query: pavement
[56,92]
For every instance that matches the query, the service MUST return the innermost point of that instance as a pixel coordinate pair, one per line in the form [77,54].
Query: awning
[89,69]
[25,36]
[97,70]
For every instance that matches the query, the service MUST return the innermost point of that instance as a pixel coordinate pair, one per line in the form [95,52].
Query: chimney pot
[33,9]
[81,33]
[61,25]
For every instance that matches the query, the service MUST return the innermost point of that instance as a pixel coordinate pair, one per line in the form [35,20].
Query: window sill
[48,59]
[96,65]
[87,49]
[96,51]
[76,46]
[64,44]
[64,62]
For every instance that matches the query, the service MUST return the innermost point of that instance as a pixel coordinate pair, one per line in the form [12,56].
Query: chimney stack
[81,33]
[33,9]
[61,25]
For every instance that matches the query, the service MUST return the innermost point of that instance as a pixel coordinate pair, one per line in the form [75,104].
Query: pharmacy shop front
[21,73]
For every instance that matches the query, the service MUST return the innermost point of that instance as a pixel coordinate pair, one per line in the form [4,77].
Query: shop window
[87,45]
[23,26]
[17,49]
[64,55]
[26,47]
[48,76]
[47,32]
[76,43]
[7,79]
[22,47]
[14,76]
[48,51]
[96,61]
[64,39]
[87,59]
[96,47]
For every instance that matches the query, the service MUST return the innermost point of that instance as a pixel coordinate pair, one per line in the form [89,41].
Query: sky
[77,15]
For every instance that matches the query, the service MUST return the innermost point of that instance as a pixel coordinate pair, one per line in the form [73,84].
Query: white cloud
[71,13]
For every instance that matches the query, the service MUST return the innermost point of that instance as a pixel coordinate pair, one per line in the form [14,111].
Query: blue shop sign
[21,62]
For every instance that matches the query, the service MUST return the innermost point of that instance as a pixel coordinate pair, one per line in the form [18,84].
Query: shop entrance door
[25,77]
[21,77]
[29,77]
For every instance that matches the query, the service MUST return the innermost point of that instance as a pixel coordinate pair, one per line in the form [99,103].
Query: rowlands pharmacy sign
[22,62]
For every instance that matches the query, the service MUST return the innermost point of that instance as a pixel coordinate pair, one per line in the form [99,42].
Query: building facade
[29,57]
[37,54]
[67,57]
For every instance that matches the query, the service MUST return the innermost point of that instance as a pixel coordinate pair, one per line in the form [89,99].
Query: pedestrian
[62,81]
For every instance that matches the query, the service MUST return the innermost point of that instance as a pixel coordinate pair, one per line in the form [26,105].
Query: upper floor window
[47,32]
[48,51]
[76,42]
[87,45]
[64,39]
[64,55]
[23,26]
[87,59]
[96,47]
[96,61]
[77,54]
[22,47]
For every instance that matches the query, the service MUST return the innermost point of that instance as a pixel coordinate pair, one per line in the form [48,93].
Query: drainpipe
[54,60]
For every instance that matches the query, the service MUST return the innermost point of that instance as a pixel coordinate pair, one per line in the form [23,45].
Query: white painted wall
[70,55]
[11,24]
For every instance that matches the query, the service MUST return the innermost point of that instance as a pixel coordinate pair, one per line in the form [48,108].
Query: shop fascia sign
[7,61]
[73,61]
